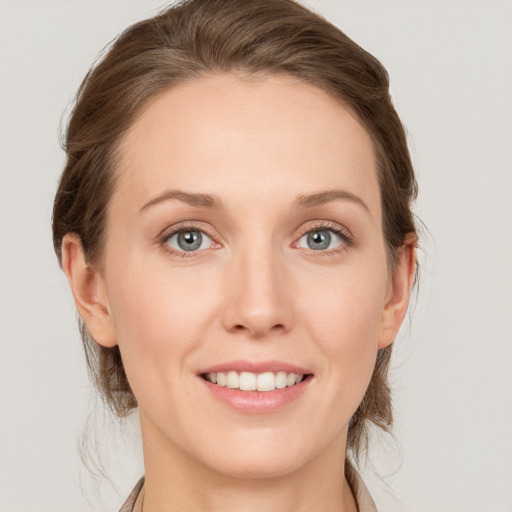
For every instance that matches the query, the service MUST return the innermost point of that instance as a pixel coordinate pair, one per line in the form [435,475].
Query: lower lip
[257,402]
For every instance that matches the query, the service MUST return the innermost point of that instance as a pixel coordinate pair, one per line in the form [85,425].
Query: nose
[258,299]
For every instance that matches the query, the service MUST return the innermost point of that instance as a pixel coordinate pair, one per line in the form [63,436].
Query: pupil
[190,240]
[318,240]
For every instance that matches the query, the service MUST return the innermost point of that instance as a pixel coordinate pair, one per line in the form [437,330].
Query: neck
[177,482]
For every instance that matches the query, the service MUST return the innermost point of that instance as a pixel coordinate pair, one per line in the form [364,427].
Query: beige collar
[362,496]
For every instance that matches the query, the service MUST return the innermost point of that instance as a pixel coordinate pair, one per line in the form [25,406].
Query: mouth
[249,381]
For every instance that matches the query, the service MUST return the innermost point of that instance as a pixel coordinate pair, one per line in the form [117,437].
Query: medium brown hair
[195,38]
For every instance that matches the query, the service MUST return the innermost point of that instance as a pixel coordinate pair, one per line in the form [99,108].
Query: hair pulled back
[199,37]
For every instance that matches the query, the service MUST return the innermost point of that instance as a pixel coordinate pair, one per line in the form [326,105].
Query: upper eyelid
[170,231]
[328,225]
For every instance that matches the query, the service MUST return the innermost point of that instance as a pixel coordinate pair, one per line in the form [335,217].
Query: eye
[322,239]
[189,240]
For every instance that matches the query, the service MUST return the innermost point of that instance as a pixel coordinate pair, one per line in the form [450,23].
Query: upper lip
[243,365]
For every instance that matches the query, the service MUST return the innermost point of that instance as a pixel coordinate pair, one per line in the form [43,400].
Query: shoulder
[361,493]
[134,501]
[362,496]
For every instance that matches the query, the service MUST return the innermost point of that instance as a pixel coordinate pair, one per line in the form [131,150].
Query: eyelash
[344,234]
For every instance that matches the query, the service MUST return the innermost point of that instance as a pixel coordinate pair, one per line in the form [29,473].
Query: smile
[248,381]
[256,387]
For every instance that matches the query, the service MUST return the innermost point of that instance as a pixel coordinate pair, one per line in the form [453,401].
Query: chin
[262,467]
[260,459]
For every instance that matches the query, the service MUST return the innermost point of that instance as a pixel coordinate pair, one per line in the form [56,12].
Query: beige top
[362,496]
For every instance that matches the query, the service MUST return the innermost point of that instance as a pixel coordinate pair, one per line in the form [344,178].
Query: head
[239,51]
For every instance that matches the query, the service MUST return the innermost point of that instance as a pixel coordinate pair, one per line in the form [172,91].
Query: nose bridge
[257,298]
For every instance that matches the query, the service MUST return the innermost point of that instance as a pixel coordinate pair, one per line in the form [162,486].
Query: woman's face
[244,244]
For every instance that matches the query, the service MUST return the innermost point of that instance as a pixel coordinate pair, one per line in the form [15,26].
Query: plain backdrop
[450,64]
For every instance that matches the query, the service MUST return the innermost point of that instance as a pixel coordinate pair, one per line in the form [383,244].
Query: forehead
[260,138]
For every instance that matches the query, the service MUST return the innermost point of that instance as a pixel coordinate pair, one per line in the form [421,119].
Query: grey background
[451,72]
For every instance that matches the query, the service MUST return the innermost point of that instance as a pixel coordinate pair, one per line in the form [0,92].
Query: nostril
[259,331]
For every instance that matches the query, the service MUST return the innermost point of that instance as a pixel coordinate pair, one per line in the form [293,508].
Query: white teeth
[281,380]
[290,379]
[266,381]
[221,379]
[232,380]
[248,381]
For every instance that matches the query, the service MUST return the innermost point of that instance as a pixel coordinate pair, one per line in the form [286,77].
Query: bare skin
[277,181]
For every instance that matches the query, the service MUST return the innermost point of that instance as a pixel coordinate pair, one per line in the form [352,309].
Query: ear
[89,291]
[400,290]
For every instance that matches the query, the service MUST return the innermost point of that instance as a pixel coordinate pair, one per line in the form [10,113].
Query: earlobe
[401,285]
[88,288]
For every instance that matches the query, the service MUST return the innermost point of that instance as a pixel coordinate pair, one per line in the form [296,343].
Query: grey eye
[189,240]
[320,240]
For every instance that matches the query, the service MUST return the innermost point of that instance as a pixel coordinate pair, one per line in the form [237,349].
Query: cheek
[346,305]
[150,297]
[160,317]
[343,315]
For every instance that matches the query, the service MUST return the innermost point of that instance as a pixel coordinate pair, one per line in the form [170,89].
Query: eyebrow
[327,196]
[213,202]
[199,200]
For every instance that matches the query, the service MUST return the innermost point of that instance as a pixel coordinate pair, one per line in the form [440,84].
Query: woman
[234,221]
